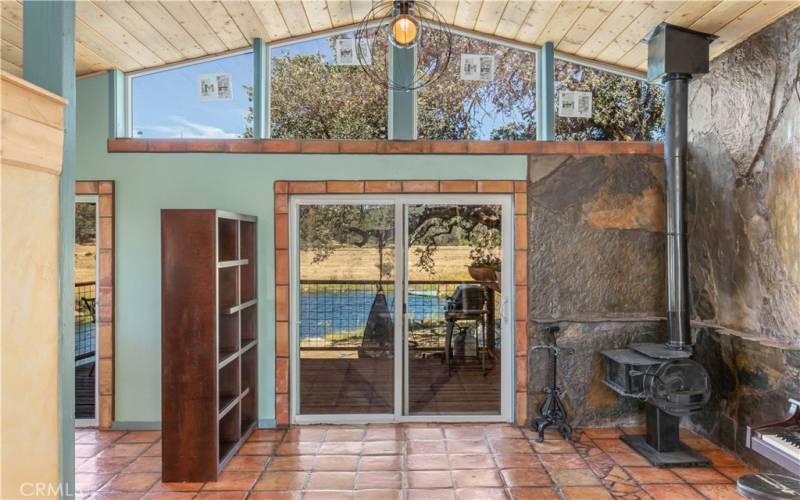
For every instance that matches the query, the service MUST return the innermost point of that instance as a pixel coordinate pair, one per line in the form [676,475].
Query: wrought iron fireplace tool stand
[552,412]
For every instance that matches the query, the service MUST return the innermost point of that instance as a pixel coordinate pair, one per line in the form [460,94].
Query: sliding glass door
[454,257]
[398,308]
[86,309]
[345,335]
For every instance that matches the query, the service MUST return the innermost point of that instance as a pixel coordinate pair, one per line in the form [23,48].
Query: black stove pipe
[676,89]
[674,54]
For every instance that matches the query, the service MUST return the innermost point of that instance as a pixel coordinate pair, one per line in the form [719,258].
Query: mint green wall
[146,183]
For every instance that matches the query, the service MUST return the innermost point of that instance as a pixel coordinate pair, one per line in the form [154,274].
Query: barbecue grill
[467,304]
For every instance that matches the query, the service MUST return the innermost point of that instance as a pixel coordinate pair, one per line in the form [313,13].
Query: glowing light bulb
[404,30]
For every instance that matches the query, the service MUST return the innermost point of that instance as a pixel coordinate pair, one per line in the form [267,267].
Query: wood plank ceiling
[137,34]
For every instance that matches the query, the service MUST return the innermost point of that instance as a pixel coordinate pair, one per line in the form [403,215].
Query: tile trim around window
[286,146]
[284,189]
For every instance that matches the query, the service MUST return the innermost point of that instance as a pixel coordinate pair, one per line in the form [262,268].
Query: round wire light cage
[375,40]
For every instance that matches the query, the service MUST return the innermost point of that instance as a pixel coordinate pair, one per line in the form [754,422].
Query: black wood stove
[672,385]
[664,375]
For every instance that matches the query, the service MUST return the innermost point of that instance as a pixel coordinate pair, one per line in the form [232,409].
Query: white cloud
[206,131]
[186,129]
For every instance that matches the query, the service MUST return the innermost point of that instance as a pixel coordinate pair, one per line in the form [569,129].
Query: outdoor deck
[85,349]
[407,462]
[336,386]
[335,378]
[85,390]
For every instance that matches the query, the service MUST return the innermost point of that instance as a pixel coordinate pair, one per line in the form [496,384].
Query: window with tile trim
[170,103]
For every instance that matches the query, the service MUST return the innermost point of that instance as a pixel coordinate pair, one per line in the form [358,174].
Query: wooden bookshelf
[209,337]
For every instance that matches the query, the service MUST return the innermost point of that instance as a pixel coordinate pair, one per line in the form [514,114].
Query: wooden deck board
[365,386]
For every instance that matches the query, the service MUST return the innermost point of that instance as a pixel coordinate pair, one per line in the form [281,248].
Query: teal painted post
[261,90]
[403,104]
[117,108]
[545,94]
[49,61]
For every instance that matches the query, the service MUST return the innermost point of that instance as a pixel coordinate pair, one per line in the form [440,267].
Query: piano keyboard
[786,439]
[779,441]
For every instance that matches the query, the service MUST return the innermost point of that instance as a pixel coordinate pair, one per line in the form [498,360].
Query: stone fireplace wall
[595,269]
[744,230]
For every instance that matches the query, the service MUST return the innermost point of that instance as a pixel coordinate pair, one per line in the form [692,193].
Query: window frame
[513,44]
[129,76]
[305,38]
[598,66]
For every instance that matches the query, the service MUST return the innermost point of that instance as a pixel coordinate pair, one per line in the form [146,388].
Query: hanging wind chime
[392,27]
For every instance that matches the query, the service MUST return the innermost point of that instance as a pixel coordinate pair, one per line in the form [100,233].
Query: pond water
[323,314]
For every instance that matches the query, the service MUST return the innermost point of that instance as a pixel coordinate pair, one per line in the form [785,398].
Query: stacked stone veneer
[596,269]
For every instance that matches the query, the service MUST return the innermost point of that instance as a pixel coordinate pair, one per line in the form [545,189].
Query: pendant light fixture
[392,27]
[404,28]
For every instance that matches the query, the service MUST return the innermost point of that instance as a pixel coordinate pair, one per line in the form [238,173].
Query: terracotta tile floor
[406,461]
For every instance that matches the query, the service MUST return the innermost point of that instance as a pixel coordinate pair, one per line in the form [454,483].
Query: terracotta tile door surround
[284,189]
[104,190]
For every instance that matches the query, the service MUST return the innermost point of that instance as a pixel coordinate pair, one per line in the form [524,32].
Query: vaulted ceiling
[132,35]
